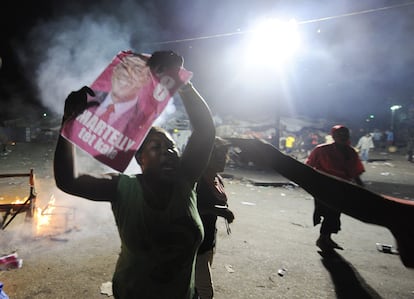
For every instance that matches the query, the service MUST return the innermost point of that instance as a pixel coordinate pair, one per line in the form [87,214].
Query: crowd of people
[300,144]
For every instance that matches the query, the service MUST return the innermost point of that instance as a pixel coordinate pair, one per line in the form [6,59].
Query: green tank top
[158,247]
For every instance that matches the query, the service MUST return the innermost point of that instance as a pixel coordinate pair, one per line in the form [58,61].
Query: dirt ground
[75,253]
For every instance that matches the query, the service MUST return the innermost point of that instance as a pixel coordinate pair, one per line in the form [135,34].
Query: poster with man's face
[129,97]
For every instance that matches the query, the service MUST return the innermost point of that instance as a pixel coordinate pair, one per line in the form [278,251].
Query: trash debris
[2,293]
[248,203]
[297,224]
[293,184]
[58,239]
[281,272]
[10,261]
[106,288]
[385,248]
[385,173]
[229,268]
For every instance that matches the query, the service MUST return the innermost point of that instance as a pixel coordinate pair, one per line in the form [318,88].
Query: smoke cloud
[69,52]
[362,61]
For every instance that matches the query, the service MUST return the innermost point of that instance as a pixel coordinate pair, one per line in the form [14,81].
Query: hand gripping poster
[129,96]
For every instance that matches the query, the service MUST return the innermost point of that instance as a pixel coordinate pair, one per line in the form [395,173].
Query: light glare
[273,41]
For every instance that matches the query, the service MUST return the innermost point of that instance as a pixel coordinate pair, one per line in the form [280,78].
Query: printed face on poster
[129,97]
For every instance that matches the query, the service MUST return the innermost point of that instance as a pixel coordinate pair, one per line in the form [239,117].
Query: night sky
[352,62]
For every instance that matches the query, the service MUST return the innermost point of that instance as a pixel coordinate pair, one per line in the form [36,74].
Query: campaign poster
[129,97]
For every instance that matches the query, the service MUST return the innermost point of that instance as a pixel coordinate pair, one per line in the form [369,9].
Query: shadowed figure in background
[341,195]
[364,145]
[410,146]
[4,140]
[155,212]
[341,160]
[211,202]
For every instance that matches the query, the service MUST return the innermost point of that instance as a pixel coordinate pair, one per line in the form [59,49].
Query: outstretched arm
[335,192]
[395,214]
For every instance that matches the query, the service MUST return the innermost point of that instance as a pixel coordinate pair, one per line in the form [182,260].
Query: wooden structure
[10,207]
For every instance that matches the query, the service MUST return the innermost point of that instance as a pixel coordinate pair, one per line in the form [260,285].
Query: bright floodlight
[273,42]
[395,107]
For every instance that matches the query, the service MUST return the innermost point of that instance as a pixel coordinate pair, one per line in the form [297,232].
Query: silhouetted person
[211,202]
[364,145]
[410,146]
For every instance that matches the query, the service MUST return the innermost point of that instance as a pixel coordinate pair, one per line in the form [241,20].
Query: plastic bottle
[385,248]
[3,295]
[281,272]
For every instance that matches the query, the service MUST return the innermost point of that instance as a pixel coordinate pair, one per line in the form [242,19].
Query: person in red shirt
[341,160]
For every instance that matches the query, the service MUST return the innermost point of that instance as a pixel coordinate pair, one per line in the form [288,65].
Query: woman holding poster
[155,212]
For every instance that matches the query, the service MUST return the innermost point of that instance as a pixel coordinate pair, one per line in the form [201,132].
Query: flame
[44,216]
[19,201]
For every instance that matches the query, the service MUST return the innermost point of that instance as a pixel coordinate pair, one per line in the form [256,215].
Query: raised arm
[67,179]
[197,152]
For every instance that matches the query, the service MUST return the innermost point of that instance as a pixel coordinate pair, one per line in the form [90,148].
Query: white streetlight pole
[393,109]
